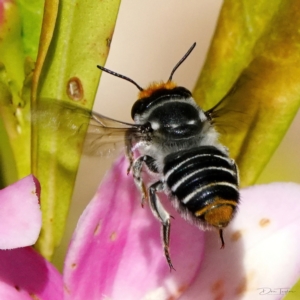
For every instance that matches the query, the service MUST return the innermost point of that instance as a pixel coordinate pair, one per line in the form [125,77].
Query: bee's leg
[162,215]
[128,149]
[136,171]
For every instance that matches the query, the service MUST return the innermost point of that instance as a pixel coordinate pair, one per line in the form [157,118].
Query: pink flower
[20,215]
[116,251]
[20,225]
[24,274]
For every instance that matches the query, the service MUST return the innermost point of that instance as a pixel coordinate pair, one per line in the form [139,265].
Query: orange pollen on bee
[219,213]
[155,86]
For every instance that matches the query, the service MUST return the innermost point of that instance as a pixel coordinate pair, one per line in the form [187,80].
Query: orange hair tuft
[155,86]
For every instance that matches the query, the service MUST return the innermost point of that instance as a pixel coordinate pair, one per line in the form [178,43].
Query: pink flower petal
[116,251]
[20,214]
[9,292]
[262,248]
[25,273]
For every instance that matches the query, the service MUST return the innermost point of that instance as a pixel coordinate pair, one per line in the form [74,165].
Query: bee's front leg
[163,216]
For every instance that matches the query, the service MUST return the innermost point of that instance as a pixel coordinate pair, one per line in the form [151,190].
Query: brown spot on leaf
[236,235]
[75,89]
[108,42]
[264,222]
[109,39]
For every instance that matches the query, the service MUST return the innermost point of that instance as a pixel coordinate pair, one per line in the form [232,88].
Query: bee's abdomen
[199,176]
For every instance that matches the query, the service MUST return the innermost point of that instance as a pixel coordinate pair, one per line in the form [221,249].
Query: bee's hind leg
[163,216]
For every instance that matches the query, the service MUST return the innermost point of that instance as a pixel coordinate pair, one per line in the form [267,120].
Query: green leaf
[31,12]
[256,46]
[75,38]
[294,292]
[6,159]
[14,110]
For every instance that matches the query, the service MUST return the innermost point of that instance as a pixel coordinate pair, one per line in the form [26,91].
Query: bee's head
[158,92]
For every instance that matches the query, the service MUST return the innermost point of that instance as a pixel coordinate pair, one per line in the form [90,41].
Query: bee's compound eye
[138,107]
[219,216]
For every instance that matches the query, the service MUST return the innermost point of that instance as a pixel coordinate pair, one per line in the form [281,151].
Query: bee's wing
[228,116]
[103,137]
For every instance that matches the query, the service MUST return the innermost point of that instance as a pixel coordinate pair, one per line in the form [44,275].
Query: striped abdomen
[205,182]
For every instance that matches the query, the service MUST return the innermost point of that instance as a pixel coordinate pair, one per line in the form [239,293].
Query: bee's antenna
[120,76]
[181,61]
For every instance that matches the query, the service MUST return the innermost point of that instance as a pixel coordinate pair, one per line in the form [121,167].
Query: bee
[171,137]
[176,140]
